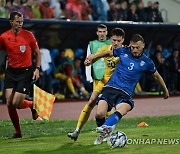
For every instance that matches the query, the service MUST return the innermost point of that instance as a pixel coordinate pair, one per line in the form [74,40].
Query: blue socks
[113,119]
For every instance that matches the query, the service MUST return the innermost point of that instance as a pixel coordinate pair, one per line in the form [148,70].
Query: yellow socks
[85,113]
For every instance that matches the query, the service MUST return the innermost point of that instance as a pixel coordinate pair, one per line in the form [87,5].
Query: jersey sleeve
[151,67]
[33,42]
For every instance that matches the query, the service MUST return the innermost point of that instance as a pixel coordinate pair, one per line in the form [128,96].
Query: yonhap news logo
[162,141]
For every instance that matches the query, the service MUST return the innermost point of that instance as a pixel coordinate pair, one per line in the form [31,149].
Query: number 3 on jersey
[131,66]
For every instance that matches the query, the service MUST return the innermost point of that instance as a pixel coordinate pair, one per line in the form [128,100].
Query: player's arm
[92,58]
[38,57]
[161,82]
[38,63]
[35,48]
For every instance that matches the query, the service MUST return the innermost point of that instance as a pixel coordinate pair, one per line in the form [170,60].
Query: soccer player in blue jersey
[119,90]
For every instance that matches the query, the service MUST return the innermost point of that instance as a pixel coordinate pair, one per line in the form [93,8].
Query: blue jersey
[129,70]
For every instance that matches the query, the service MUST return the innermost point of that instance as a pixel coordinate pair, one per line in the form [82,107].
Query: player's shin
[113,119]
[15,120]
[84,116]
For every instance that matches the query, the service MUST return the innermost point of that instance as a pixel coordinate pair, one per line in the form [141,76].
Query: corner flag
[43,102]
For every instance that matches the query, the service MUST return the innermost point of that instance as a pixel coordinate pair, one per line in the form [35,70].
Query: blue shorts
[114,97]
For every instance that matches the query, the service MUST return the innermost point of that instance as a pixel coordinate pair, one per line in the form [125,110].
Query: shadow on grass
[73,148]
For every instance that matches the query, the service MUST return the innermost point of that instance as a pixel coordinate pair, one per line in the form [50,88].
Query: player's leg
[101,112]
[109,97]
[10,85]
[22,89]
[13,112]
[26,104]
[104,81]
[121,110]
[84,115]
[23,104]
[116,98]
[109,125]
[100,119]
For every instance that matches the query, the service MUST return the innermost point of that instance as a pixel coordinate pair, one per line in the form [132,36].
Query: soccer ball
[117,139]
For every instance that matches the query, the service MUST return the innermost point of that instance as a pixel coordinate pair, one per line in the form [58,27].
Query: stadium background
[74,35]
[61,34]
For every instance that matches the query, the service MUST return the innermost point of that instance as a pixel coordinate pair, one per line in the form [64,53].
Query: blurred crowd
[167,62]
[88,10]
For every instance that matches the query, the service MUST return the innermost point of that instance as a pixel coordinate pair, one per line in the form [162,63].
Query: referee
[20,45]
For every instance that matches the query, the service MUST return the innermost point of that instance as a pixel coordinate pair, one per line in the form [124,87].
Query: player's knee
[123,111]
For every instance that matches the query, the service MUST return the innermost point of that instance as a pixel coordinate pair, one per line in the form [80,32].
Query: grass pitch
[41,137]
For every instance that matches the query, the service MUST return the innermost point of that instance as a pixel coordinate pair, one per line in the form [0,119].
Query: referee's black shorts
[19,79]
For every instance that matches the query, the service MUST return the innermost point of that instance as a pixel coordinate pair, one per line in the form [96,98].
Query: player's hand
[89,60]
[36,75]
[166,94]
[91,57]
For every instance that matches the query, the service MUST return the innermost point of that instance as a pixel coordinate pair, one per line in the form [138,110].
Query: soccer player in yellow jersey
[117,39]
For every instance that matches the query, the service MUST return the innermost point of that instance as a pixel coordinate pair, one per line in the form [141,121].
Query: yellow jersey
[110,64]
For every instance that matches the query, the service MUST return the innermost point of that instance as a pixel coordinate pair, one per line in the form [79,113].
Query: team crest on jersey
[142,63]
[22,48]
[126,55]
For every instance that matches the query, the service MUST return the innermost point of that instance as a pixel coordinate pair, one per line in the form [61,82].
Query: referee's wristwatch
[38,67]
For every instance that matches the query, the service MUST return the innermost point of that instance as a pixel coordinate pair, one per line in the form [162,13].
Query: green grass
[50,137]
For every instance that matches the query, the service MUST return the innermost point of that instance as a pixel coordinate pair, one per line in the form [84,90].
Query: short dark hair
[118,32]
[101,26]
[136,38]
[13,14]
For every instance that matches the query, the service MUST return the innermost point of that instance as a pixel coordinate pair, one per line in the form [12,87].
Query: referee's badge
[22,48]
